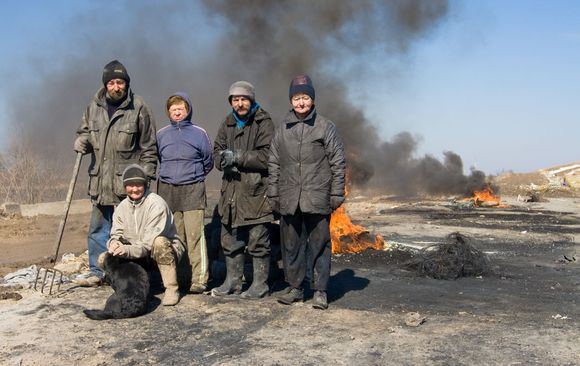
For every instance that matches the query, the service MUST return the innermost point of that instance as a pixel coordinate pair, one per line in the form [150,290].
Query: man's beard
[116,95]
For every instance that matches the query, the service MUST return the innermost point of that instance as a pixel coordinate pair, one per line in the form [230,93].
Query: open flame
[348,237]
[485,198]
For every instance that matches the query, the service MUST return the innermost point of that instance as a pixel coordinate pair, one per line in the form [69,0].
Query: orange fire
[485,198]
[350,238]
[347,237]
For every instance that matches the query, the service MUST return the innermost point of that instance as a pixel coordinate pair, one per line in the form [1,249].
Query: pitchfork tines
[43,282]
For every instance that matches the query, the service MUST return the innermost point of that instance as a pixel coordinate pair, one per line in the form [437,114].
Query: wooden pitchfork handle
[71,188]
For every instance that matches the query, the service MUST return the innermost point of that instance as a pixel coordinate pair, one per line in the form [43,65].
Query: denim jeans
[99,233]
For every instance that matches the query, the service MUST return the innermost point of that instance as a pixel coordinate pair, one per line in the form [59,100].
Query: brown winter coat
[306,164]
[245,192]
[127,138]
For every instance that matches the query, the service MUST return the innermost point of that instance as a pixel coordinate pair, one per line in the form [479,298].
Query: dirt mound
[558,181]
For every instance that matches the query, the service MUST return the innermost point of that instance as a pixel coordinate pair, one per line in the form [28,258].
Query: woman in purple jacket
[185,155]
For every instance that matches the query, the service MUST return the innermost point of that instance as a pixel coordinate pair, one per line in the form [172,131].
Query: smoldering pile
[455,257]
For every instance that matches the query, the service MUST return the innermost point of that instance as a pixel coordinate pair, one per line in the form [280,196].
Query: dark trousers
[302,232]
[255,237]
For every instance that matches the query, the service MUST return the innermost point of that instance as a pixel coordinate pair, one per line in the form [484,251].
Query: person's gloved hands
[227,158]
[237,157]
[336,201]
[229,170]
[81,144]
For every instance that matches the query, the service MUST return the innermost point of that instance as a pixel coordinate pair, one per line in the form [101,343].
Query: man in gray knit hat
[241,151]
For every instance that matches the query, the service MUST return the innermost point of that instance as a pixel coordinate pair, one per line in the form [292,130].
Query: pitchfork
[69,195]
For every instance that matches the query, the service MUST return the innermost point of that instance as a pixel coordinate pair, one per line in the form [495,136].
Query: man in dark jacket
[241,151]
[306,183]
[117,129]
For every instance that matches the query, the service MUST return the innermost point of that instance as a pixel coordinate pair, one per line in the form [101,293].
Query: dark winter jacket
[185,153]
[128,137]
[306,164]
[244,193]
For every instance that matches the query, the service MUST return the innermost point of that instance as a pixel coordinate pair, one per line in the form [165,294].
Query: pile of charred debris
[463,237]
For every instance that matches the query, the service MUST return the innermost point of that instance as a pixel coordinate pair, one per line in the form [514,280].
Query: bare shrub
[28,177]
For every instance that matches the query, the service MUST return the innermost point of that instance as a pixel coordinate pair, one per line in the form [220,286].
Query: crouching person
[143,227]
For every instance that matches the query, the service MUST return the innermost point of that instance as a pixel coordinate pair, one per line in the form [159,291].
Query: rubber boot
[233,282]
[259,287]
[169,278]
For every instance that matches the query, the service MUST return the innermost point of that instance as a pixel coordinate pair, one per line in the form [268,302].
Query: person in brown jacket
[117,129]
[241,151]
[306,183]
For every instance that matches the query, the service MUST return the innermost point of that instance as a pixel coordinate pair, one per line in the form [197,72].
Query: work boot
[89,279]
[319,300]
[259,287]
[233,282]
[197,288]
[169,278]
[292,296]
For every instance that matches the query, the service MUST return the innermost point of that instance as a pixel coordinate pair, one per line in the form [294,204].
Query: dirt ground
[526,310]
[31,240]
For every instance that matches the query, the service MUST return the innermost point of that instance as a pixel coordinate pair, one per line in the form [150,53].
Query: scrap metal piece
[43,279]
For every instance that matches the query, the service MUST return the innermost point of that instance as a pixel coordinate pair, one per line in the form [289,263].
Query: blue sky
[497,82]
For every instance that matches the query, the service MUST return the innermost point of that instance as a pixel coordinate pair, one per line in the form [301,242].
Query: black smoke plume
[264,42]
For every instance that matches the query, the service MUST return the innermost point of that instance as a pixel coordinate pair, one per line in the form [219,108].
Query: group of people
[294,170]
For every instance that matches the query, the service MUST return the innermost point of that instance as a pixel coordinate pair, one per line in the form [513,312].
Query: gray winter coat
[306,164]
[244,193]
[127,138]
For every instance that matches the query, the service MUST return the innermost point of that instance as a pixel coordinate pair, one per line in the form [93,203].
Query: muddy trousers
[99,233]
[189,225]
[302,232]
[167,254]
[255,237]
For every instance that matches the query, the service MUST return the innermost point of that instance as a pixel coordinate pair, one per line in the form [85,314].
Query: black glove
[336,201]
[227,158]
[82,144]
[231,169]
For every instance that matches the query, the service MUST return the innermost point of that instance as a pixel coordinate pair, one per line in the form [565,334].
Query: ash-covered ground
[525,310]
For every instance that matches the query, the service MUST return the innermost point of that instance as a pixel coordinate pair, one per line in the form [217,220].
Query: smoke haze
[167,47]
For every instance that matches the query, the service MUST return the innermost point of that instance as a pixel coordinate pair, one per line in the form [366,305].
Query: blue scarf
[241,122]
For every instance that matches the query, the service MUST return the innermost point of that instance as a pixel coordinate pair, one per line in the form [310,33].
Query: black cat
[130,282]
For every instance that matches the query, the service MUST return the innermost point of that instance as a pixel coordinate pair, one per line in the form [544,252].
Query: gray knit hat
[134,173]
[242,88]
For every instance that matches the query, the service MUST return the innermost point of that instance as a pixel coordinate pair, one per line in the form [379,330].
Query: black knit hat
[134,173]
[115,70]
[302,84]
